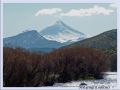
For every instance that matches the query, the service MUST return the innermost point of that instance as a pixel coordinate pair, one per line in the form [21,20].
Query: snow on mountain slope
[61,32]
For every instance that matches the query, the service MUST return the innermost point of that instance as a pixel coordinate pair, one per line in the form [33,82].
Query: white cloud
[95,10]
[51,11]
[113,5]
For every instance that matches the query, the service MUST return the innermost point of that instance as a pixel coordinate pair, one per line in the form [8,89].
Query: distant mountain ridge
[105,40]
[55,36]
[30,40]
[62,33]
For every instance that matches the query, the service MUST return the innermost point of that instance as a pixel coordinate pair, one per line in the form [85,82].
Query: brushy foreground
[27,69]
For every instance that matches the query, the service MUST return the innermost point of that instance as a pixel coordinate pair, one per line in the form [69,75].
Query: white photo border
[117,2]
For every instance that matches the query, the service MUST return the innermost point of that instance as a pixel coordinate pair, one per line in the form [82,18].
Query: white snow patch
[110,82]
[64,37]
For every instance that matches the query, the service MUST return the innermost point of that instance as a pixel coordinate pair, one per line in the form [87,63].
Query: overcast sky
[90,19]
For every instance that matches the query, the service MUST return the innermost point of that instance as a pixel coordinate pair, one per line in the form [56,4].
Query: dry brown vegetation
[23,68]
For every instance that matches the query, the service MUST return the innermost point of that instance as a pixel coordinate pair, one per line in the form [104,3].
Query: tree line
[22,68]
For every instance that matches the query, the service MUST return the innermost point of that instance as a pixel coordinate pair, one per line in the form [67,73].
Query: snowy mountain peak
[62,33]
[59,22]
